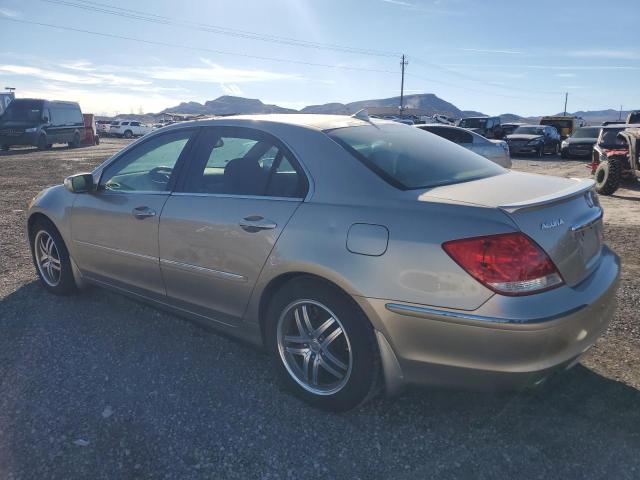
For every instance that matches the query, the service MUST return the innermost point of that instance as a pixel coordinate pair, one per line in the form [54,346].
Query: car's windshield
[610,138]
[472,122]
[409,158]
[529,130]
[27,111]
[587,132]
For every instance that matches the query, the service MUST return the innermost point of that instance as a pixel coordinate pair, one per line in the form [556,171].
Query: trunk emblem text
[551,224]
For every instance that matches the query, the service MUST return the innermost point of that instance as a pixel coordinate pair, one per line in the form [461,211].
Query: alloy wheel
[47,258]
[314,347]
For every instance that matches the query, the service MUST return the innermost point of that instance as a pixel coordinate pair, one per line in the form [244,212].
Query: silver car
[364,255]
[495,150]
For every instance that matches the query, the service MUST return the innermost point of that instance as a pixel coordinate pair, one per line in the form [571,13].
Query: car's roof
[313,121]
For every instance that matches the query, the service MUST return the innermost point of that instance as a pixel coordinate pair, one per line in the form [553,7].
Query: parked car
[534,139]
[129,129]
[362,254]
[103,127]
[41,123]
[581,143]
[488,127]
[509,128]
[495,150]
[564,124]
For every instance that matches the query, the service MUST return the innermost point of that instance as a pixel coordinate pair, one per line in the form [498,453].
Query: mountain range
[428,102]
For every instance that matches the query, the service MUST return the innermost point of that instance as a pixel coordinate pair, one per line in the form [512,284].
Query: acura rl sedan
[364,255]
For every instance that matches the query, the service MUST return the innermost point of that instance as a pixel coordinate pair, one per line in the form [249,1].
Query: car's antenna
[363,115]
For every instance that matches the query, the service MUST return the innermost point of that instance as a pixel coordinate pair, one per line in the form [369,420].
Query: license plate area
[589,239]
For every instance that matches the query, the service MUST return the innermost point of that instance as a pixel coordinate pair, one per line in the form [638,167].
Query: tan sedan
[364,255]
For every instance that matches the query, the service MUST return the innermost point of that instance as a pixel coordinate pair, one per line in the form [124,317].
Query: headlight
[31,130]
[564,144]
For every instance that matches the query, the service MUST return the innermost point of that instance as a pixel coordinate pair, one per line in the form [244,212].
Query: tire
[96,140]
[42,142]
[352,353]
[58,280]
[556,150]
[75,143]
[607,176]
[540,152]
[564,154]
[128,134]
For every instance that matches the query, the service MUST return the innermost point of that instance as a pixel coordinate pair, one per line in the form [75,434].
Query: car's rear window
[409,158]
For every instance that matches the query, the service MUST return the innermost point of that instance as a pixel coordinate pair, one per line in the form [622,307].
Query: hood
[476,130]
[522,136]
[590,141]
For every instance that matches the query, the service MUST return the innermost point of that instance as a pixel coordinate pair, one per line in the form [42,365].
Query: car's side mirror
[79,183]
[45,119]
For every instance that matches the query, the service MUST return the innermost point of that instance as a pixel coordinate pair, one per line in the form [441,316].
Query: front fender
[55,203]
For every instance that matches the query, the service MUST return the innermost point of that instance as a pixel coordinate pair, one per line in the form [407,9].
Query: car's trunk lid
[557,213]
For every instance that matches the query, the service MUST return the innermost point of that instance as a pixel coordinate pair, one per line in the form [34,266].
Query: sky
[491,56]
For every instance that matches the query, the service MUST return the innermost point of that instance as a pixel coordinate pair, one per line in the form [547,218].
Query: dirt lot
[98,386]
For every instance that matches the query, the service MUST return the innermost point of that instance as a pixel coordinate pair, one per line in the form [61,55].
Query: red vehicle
[613,159]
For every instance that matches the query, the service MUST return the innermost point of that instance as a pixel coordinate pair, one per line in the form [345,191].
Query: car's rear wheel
[608,176]
[42,142]
[75,143]
[128,134]
[51,258]
[322,344]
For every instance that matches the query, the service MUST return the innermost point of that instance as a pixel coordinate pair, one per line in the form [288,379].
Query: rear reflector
[509,263]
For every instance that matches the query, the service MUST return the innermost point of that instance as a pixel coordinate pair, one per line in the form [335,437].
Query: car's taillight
[509,263]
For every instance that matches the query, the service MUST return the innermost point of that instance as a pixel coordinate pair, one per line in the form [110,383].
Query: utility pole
[403,64]
[566,96]
[620,115]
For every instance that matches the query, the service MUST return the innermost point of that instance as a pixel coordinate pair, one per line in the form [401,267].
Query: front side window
[242,161]
[408,159]
[148,167]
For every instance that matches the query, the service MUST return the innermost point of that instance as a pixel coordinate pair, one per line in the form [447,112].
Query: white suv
[128,129]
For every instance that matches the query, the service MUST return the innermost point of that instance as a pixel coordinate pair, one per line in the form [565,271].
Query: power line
[216,29]
[200,49]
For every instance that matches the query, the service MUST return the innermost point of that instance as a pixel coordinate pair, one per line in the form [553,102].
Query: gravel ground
[99,386]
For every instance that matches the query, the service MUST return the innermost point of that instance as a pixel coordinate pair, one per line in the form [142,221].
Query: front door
[218,229]
[115,228]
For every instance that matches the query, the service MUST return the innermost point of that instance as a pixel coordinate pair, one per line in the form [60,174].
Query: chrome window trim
[429,313]
[207,271]
[229,195]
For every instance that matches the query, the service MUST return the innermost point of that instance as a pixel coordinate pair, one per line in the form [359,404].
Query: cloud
[6,12]
[399,2]
[231,89]
[214,73]
[616,54]
[565,75]
[547,67]
[81,65]
[481,50]
[73,78]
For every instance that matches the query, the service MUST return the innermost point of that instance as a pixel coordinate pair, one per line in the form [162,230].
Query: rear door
[115,229]
[218,229]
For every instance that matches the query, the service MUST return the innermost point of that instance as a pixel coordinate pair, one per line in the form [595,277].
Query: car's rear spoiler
[582,185]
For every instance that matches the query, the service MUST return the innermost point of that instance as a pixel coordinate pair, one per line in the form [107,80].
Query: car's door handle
[143,212]
[253,223]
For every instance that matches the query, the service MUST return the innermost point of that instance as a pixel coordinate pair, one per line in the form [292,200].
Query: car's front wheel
[322,344]
[51,258]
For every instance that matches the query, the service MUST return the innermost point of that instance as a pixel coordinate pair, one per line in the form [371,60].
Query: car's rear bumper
[507,343]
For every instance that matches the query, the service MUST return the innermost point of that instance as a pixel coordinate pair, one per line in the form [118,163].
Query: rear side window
[408,159]
[244,162]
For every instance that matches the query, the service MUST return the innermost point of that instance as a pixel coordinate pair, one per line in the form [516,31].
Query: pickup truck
[129,129]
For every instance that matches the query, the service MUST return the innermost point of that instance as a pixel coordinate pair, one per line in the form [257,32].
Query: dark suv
[41,123]
[488,127]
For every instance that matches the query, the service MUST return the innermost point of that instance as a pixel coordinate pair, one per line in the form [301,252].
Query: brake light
[510,263]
